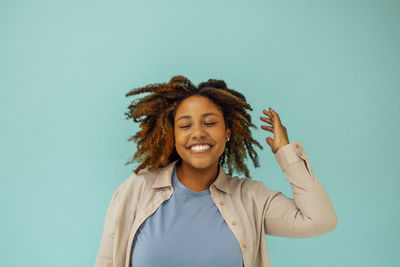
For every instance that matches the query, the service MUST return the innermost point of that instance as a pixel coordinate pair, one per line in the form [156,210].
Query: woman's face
[200,134]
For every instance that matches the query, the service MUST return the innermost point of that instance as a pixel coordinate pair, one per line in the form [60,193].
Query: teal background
[329,68]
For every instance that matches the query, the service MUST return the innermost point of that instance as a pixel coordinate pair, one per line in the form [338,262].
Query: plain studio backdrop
[331,69]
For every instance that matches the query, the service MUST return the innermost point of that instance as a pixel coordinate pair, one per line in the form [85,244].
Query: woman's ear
[228,133]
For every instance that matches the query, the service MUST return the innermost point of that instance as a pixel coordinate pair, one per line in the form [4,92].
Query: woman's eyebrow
[203,115]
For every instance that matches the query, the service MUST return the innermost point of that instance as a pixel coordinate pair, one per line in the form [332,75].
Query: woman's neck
[196,179]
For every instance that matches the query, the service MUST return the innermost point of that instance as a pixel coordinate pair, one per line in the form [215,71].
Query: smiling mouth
[200,148]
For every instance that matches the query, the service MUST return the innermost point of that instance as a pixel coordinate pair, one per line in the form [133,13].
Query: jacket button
[297,146]
[221,203]
[233,223]
[244,245]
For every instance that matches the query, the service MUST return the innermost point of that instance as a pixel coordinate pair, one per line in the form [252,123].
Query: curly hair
[155,114]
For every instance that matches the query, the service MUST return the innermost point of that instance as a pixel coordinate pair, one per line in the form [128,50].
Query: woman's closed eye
[206,123]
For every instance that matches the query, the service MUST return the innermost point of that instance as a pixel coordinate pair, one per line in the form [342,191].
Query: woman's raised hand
[280,135]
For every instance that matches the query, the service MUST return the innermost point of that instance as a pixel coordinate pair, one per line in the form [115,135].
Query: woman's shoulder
[254,189]
[245,183]
[137,182]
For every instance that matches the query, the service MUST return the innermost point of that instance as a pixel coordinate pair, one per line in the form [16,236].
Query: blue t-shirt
[186,230]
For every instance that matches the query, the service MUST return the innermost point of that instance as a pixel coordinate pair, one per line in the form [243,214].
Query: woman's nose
[198,131]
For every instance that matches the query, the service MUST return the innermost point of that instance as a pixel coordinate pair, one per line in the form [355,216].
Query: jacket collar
[163,178]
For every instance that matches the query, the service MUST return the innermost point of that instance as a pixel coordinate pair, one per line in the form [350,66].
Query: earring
[227,139]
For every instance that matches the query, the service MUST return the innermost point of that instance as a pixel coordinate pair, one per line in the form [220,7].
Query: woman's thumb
[269,141]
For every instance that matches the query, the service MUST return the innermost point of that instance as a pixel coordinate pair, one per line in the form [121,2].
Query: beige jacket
[250,209]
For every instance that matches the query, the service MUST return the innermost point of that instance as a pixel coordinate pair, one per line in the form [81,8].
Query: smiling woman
[183,207]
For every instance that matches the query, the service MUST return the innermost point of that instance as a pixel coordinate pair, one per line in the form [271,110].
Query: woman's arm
[310,213]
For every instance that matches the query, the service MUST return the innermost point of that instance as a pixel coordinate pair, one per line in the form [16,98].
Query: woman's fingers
[275,116]
[269,119]
[268,128]
[269,114]
[266,120]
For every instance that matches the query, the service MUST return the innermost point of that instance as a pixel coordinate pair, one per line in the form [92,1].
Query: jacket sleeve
[105,254]
[310,213]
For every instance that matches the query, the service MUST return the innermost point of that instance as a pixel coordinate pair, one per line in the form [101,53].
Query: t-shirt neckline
[178,185]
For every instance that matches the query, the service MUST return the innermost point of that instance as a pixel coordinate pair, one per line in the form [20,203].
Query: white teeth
[200,147]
